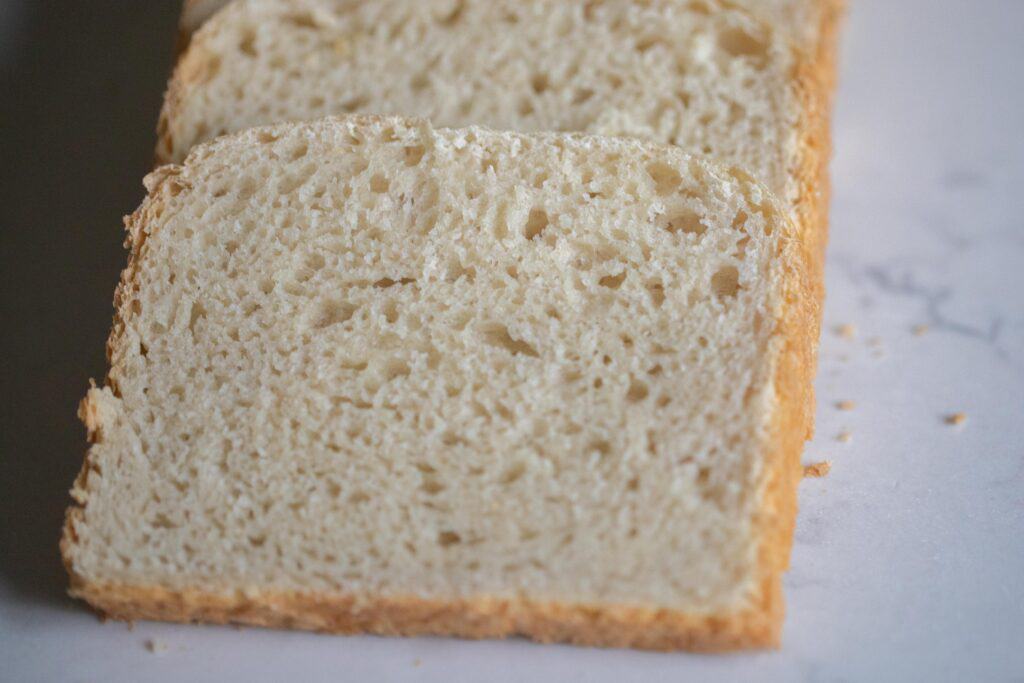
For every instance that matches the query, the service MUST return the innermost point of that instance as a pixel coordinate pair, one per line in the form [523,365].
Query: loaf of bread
[369,376]
[707,76]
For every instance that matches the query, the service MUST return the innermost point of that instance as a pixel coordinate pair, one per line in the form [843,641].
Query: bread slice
[368,376]
[802,20]
[704,75]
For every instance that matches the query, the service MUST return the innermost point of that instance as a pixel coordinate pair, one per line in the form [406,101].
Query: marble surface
[909,556]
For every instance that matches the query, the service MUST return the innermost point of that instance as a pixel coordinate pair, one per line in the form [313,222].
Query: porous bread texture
[371,376]
[800,19]
[704,75]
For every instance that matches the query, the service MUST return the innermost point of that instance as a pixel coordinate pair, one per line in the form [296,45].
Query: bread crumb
[417,662]
[846,331]
[919,330]
[845,405]
[844,437]
[157,647]
[818,469]
[956,419]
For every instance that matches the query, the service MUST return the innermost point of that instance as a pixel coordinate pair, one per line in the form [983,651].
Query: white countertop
[909,556]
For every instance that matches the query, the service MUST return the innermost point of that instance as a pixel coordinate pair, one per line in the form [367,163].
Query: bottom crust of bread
[477,618]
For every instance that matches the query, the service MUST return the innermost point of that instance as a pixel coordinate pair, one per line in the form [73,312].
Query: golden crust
[477,618]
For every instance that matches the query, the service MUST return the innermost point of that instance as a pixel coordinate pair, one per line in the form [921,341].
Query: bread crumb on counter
[844,437]
[846,331]
[919,330]
[956,419]
[845,405]
[818,470]
[157,647]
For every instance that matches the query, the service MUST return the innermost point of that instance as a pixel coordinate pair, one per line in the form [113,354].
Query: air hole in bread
[414,154]
[498,335]
[513,474]
[247,45]
[333,313]
[738,43]
[391,312]
[197,314]
[265,137]
[684,220]
[613,281]
[647,42]
[657,292]
[666,179]
[453,13]
[448,538]
[379,184]
[638,391]
[582,95]
[726,282]
[432,487]
[302,20]
[536,223]
[540,83]
[420,82]
[353,104]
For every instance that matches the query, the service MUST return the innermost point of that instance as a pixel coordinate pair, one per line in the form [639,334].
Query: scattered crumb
[956,419]
[846,331]
[845,405]
[919,330]
[844,437]
[157,647]
[875,341]
[417,662]
[130,625]
[818,469]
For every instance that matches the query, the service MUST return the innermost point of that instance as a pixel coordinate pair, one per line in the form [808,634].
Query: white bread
[371,376]
[704,75]
[802,20]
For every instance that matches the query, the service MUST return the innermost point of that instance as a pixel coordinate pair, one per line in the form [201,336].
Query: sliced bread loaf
[371,376]
[704,75]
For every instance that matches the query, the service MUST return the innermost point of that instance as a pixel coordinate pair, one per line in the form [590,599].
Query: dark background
[82,83]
